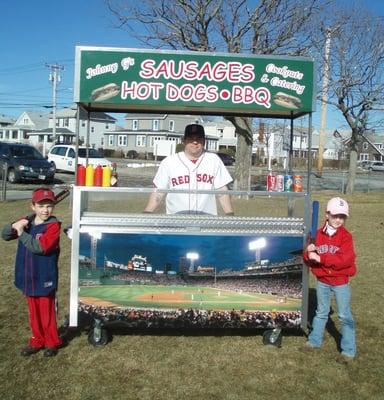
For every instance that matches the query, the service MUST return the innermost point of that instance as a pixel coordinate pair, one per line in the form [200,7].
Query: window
[171,125]
[110,140]
[365,146]
[82,123]
[92,129]
[140,141]
[14,134]
[71,153]
[155,125]
[153,139]
[66,122]
[106,126]
[135,124]
[122,140]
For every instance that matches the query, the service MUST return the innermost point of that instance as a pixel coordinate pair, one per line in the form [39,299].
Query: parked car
[376,166]
[24,162]
[62,157]
[226,158]
[364,164]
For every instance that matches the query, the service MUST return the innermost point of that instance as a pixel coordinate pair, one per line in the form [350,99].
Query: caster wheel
[98,337]
[273,337]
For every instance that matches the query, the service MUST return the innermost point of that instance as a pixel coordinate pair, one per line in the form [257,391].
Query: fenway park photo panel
[203,281]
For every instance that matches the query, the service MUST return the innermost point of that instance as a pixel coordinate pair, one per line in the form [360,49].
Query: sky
[220,251]
[40,32]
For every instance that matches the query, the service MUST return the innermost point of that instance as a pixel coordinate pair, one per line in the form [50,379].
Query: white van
[62,157]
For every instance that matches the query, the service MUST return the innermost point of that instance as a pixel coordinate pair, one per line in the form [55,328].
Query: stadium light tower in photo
[257,245]
[192,256]
[95,236]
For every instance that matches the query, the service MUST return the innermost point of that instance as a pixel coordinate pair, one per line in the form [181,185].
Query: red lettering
[180,180]
[248,74]
[198,177]
[219,71]
[147,69]
[210,179]
[174,181]
[205,71]
[191,70]
[234,71]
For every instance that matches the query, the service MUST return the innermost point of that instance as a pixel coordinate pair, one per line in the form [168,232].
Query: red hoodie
[337,257]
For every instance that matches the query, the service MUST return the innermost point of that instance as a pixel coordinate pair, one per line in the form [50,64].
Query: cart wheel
[98,337]
[273,337]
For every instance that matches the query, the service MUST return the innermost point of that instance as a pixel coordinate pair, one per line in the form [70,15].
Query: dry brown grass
[149,367]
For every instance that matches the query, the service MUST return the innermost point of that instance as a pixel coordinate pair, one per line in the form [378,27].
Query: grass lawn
[150,367]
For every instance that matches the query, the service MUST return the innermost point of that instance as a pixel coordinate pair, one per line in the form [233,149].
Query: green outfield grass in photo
[206,367]
[174,296]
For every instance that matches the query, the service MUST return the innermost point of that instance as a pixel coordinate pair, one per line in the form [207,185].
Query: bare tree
[278,27]
[356,84]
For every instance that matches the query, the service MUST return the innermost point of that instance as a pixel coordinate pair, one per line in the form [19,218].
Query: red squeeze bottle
[98,177]
[80,175]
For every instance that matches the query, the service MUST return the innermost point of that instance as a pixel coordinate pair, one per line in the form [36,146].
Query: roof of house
[71,112]
[39,120]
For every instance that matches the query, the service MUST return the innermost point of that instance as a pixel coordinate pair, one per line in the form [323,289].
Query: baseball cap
[41,194]
[195,130]
[337,205]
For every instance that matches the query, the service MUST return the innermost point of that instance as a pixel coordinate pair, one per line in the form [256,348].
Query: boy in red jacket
[332,261]
[36,274]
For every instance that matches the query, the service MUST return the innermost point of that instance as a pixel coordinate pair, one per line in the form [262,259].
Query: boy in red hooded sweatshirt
[36,272]
[332,260]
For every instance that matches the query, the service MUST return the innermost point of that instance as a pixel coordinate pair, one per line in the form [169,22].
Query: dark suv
[226,158]
[24,162]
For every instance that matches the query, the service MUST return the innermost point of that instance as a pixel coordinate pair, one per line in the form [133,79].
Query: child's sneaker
[29,350]
[50,352]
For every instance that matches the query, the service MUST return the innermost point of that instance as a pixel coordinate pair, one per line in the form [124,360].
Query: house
[6,121]
[100,123]
[371,147]
[143,130]
[27,121]
[37,129]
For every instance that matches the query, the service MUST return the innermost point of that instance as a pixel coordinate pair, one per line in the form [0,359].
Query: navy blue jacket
[37,256]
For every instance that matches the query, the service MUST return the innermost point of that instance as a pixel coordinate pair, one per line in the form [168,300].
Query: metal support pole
[77,141]
[324,97]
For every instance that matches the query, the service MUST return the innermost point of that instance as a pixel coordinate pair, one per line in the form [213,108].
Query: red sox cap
[41,194]
[194,130]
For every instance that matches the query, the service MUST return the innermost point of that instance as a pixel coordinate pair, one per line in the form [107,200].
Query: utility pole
[324,98]
[54,77]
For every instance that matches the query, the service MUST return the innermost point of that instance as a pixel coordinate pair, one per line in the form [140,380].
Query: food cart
[191,272]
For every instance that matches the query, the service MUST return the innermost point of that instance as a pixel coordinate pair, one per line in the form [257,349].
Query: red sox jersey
[177,172]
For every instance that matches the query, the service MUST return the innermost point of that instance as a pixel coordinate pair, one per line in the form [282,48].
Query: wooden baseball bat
[63,194]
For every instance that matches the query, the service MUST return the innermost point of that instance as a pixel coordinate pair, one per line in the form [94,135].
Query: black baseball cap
[194,130]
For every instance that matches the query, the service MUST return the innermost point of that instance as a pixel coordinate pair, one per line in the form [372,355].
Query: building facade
[142,131]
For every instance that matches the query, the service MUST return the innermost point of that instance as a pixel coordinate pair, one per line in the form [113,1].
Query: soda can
[297,183]
[280,183]
[288,183]
[271,182]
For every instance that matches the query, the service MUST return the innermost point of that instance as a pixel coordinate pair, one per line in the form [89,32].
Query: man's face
[194,145]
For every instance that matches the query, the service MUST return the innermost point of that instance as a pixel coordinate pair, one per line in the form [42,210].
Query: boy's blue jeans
[343,296]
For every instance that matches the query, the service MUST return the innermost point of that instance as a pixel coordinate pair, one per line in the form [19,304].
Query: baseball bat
[63,194]
[315,220]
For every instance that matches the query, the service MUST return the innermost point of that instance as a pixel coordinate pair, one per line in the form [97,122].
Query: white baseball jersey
[180,173]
